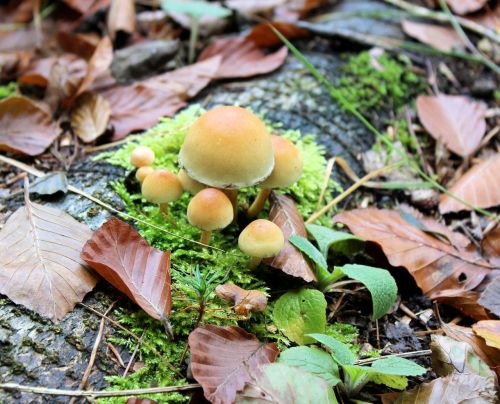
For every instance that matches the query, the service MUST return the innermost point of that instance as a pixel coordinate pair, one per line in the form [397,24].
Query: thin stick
[414,354]
[134,353]
[93,394]
[326,180]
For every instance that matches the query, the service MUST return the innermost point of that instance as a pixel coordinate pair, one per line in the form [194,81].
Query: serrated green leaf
[305,246]
[298,313]
[328,238]
[379,282]
[314,360]
[394,365]
[195,8]
[340,352]
[392,381]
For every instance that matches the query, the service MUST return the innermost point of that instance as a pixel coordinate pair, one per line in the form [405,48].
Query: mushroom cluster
[225,149]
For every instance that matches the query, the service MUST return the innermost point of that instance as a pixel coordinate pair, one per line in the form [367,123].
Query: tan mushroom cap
[161,186]
[227,147]
[143,172]
[142,156]
[210,209]
[287,164]
[190,185]
[261,239]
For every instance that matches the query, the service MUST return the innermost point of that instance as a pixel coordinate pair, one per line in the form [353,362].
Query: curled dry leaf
[244,301]
[455,120]
[90,116]
[466,6]
[40,265]
[254,7]
[435,265]
[491,245]
[478,186]
[489,330]
[25,127]
[241,57]
[291,261]
[224,358]
[437,36]
[121,17]
[82,45]
[122,257]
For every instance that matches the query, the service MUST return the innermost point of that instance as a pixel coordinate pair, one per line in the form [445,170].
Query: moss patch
[8,90]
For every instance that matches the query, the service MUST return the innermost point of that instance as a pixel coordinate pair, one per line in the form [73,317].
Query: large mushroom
[261,239]
[228,147]
[210,209]
[287,170]
[161,187]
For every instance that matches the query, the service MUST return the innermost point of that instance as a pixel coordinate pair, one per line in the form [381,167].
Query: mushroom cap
[143,172]
[287,164]
[227,147]
[261,239]
[210,209]
[161,186]
[142,156]
[190,185]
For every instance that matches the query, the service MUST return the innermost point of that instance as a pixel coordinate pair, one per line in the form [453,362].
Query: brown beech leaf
[453,389]
[264,37]
[437,36]
[435,265]
[82,45]
[87,6]
[13,63]
[478,186]
[490,298]
[223,359]
[489,330]
[466,6]
[244,301]
[491,246]
[25,127]
[241,57]
[121,17]
[455,120]
[122,257]
[40,265]
[468,302]
[285,215]
[90,116]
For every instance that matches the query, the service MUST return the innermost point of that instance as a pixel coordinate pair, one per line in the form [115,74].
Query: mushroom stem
[258,203]
[205,237]
[164,208]
[254,262]
[232,194]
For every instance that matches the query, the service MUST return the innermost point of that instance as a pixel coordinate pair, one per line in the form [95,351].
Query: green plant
[195,9]
[8,90]
[340,368]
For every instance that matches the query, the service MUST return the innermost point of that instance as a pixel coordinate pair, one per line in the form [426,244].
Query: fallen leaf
[25,127]
[455,120]
[90,116]
[19,39]
[87,6]
[241,57]
[13,63]
[457,388]
[136,400]
[489,330]
[82,45]
[251,8]
[50,184]
[264,37]
[437,36]
[222,359]
[285,215]
[40,265]
[434,264]
[491,246]
[477,187]
[122,257]
[244,301]
[121,18]
[466,6]
[468,302]
[490,298]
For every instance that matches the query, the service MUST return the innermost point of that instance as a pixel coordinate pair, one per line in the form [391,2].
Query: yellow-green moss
[8,90]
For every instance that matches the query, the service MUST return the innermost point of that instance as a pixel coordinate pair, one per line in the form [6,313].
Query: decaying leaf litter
[342,307]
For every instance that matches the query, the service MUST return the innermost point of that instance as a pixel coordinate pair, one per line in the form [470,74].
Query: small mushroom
[143,172]
[261,239]
[287,170]
[210,209]
[244,301]
[190,185]
[162,187]
[142,156]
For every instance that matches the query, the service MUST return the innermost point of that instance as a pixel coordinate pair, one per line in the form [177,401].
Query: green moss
[372,89]
[227,262]
[8,90]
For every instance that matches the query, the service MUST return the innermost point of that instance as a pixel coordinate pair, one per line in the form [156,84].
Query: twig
[94,394]
[441,17]
[414,354]
[326,180]
[134,353]
[409,123]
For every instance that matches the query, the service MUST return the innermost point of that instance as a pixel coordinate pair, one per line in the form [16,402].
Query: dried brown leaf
[466,6]
[437,36]
[491,246]
[241,57]
[489,330]
[490,298]
[87,7]
[478,186]
[285,215]
[122,257]
[40,265]
[455,120]
[435,265]
[90,116]
[244,301]
[12,63]
[19,39]
[121,17]
[82,45]
[254,7]
[25,127]
[264,36]
[223,359]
